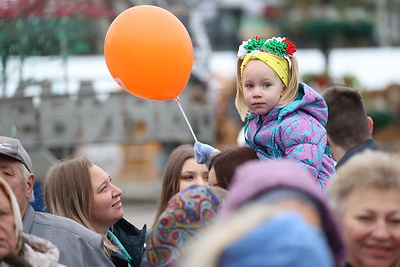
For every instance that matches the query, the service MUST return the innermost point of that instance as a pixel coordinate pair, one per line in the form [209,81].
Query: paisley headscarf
[187,213]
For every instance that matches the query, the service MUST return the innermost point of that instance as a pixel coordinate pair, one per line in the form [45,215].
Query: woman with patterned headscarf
[187,213]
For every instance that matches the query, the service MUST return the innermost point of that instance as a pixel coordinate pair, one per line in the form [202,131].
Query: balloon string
[186,119]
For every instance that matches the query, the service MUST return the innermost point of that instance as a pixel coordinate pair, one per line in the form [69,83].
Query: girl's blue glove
[204,153]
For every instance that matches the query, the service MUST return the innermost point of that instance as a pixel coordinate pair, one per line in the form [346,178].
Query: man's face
[10,170]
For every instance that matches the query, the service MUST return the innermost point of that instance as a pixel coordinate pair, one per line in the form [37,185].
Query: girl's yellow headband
[274,52]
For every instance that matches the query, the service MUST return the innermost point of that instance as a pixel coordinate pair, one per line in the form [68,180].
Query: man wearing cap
[78,246]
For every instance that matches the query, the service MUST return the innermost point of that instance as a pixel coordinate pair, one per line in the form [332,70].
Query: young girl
[284,117]
[180,172]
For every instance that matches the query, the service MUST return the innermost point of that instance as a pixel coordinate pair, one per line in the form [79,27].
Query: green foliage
[381,118]
[337,3]
[361,29]
[322,79]
[338,33]
[34,36]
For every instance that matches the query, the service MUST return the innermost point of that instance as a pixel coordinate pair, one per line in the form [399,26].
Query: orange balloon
[149,52]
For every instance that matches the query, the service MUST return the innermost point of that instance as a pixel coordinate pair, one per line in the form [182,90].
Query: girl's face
[8,241]
[193,174]
[371,227]
[262,88]
[107,206]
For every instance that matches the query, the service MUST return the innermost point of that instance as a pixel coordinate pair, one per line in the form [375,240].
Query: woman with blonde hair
[82,191]
[365,196]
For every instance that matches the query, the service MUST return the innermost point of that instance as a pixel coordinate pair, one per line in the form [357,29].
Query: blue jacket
[296,131]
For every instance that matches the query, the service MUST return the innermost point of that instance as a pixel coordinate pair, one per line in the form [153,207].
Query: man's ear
[30,183]
[370,124]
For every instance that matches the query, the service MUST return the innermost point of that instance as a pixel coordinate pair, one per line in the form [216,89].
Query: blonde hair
[375,169]
[67,192]
[289,94]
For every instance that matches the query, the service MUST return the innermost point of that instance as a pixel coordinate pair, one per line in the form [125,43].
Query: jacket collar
[28,219]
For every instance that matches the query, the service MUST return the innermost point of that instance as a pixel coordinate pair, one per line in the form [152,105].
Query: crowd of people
[310,187]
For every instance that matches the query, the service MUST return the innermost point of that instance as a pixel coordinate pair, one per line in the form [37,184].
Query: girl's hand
[203,153]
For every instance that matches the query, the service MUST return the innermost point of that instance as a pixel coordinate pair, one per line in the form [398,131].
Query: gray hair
[26,173]
[374,169]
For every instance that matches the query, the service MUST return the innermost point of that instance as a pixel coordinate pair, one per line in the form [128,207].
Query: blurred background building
[58,98]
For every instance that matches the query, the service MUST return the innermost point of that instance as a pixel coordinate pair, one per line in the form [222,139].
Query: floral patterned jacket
[296,132]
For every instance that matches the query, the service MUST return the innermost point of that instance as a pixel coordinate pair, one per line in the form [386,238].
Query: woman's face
[107,206]
[371,227]
[8,240]
[193,174]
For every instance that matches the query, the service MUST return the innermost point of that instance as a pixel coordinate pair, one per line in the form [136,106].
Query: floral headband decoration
[275,52]
[278,46]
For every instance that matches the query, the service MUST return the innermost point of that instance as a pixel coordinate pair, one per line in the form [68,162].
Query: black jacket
[360,147]
[132,239]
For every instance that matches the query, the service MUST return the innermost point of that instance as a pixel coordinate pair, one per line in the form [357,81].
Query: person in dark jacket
[349,127]
[82,191]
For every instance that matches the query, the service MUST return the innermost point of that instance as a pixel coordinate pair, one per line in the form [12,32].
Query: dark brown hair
[347,119]
[172,174]
[226,162]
